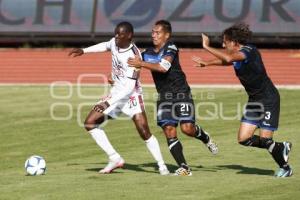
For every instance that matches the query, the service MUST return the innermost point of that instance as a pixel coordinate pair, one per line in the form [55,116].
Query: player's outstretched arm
[101,47]
[222,55]
[162,66]
[76,52]
[199,62]
[216,52]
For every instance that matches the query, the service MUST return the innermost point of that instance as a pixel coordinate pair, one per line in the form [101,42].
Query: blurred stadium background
[35,38]
[70,23]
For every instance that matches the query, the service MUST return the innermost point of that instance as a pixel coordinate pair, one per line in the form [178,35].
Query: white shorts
[129,106]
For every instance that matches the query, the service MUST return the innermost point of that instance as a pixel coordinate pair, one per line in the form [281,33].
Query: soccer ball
[35,165]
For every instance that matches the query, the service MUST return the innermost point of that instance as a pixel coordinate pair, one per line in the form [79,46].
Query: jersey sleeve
[101,47]
[247,52]
[171,50]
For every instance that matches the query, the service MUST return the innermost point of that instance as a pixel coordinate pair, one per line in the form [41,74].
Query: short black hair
[127,26]
[239,32]
[166,25]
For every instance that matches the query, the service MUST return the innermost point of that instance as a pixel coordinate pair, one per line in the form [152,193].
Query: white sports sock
[153,146]
[102,141]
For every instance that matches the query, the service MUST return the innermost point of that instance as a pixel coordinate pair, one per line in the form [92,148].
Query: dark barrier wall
[87,17]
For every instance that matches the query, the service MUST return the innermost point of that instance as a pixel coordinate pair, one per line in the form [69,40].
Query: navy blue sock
[176,150]
[201,135]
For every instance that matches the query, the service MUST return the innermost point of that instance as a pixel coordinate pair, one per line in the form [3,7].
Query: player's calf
[176,150]
[201,134]
[93,120]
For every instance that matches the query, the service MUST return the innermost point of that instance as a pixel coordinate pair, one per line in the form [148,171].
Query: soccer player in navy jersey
[175,103]
[262,110]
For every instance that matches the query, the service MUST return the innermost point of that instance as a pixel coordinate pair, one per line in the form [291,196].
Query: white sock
[102,141]
[153,146]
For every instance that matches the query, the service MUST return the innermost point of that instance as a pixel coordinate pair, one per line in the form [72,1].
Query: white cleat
[183,172]
[284,172]
[212,147]
[112,165]
[163,170]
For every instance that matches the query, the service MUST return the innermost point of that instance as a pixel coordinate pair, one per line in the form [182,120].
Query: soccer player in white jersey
[125,96]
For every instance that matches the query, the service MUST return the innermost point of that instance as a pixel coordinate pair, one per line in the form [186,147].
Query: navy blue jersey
[174,80]
[252,74]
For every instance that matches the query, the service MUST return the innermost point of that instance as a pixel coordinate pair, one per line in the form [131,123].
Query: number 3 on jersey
[267,115]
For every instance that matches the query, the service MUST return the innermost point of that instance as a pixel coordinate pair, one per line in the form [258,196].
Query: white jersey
[126,78]
[120,68]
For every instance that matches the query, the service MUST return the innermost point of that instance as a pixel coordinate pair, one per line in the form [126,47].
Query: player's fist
[199,62]
[76,52]
[135,62]
[101,106]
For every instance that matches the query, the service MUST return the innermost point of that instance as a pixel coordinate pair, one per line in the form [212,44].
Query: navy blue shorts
[173,112]
[263,115]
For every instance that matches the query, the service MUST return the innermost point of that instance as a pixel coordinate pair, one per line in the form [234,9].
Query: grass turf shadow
[247,170]
[137,167]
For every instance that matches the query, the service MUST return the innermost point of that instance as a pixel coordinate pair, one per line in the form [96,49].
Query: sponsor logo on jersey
[152,58]
[265,123]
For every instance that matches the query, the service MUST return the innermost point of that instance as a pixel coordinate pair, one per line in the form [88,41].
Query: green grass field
[73,159]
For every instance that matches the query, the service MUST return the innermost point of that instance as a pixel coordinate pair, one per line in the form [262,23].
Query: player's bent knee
[89,125]
[188,130]
[170,131]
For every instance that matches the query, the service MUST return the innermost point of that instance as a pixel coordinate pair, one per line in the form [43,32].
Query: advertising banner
[186,16]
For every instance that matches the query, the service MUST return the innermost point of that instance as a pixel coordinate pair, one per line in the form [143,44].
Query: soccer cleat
[284,172]
[182,171]
[163,170]
[286,150]
[112,165]
[212,147]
